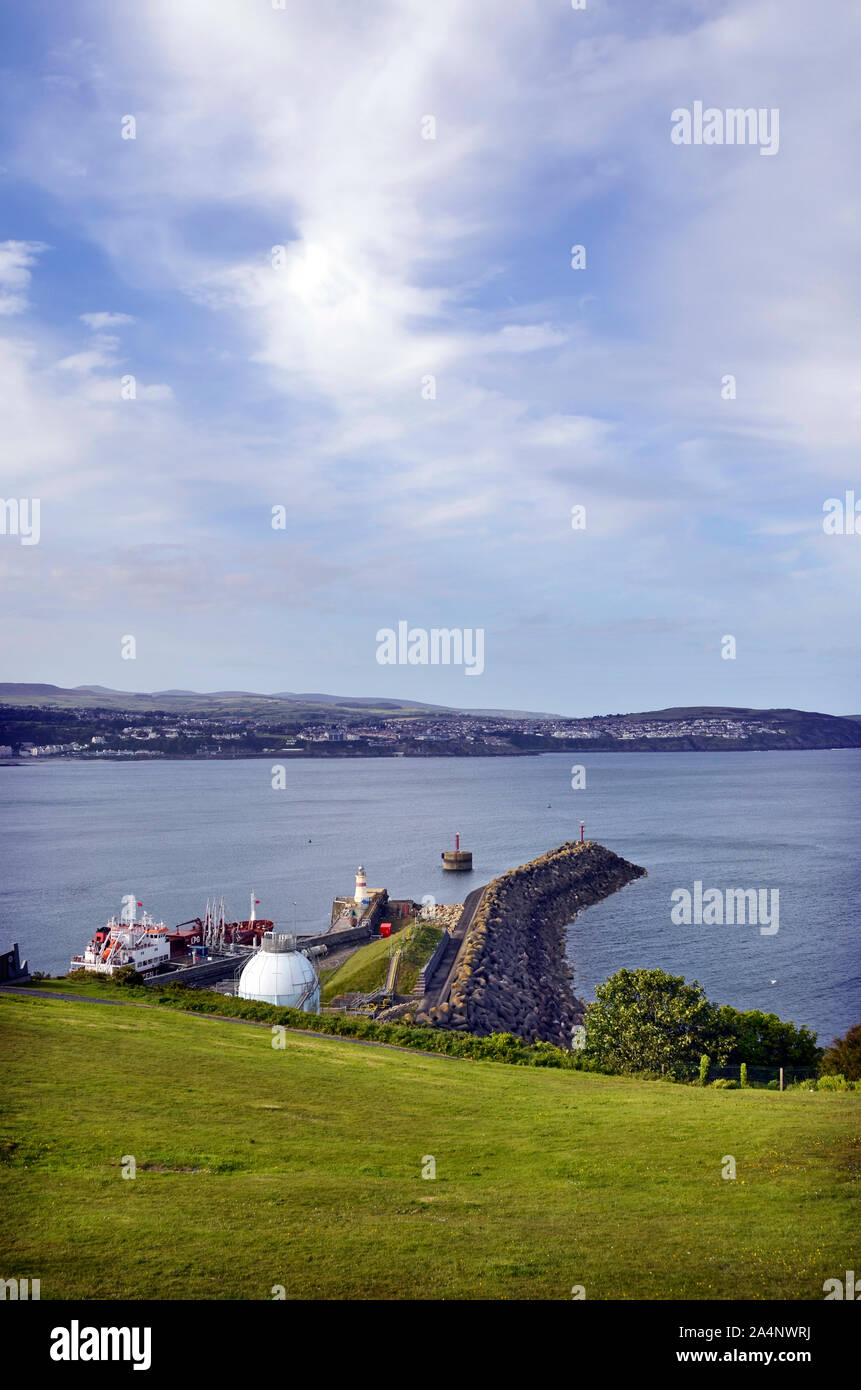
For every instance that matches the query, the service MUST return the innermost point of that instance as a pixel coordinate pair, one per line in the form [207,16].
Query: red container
[385,929]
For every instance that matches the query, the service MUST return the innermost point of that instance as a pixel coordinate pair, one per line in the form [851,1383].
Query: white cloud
[566,431]
[525,337]
[16,258]
[159,391]
[85,362]
[102,320]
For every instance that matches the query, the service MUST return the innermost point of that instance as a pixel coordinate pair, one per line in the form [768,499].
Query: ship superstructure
[141,944]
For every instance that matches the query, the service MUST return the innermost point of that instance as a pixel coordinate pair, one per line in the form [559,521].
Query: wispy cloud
[102,320]
[16,260]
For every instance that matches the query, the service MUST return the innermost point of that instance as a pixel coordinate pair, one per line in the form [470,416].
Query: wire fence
[762,1076]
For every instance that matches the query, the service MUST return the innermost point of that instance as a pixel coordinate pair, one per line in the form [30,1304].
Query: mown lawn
[302,1167]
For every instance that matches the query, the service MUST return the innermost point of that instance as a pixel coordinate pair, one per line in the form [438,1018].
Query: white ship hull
[142,945]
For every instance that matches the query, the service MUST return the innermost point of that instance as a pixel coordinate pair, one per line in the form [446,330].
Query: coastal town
[86,731]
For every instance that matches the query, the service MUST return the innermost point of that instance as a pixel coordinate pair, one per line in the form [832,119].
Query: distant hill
[227,701]
[730,712]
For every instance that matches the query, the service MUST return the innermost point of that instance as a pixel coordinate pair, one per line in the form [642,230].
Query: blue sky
[404,257]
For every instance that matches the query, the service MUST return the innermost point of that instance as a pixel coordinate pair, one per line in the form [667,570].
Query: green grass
[366,969]
[81,982]
[302,1167]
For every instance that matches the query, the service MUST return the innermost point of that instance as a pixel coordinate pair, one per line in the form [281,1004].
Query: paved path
[438,989]
[221,1018]
[392,976]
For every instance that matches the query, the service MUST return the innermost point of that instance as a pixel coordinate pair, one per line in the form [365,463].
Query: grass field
[366,968]
[302,1167]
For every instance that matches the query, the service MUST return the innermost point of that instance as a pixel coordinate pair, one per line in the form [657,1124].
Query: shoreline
[304,754]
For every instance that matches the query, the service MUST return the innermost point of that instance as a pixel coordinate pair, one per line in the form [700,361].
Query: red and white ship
[143,945]
[146,945]
[215,932]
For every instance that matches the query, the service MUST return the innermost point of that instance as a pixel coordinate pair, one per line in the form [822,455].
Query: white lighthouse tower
[361,886]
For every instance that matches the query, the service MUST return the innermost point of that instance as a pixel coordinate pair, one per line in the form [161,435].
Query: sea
[76,837]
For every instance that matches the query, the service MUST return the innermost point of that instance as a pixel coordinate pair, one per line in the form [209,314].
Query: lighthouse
[361,886]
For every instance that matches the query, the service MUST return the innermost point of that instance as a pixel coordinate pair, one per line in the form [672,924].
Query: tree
[764,1040]
[646,1020]
[844,1056]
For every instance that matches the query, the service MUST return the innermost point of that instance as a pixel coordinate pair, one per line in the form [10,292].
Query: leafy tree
[844,1056]
[764,1040]
[647,1020]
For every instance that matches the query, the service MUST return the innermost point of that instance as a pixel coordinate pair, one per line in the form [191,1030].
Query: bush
[843,1057]
[127,977]
[504,1047]
[742,1080]
[833,1082]
[723,1084]
[705,1063]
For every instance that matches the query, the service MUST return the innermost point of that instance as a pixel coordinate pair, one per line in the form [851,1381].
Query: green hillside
[366,969]
[302,1167]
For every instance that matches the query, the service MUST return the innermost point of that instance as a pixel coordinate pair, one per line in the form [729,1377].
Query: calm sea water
[77,836]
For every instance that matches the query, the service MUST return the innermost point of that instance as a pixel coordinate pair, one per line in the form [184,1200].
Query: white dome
[286,978]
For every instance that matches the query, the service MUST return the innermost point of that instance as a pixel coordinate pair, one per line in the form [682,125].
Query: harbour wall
[202,976]
[511,974]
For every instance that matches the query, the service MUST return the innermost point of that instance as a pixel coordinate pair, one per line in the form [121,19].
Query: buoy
[457,860]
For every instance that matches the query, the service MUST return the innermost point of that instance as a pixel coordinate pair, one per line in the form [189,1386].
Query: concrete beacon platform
[458,860]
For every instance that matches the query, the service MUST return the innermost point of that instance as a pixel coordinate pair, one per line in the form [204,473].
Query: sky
[330,247]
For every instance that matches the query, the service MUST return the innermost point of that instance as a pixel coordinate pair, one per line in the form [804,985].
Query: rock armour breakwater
[512,975]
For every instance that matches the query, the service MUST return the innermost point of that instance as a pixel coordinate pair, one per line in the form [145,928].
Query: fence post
[781,1078]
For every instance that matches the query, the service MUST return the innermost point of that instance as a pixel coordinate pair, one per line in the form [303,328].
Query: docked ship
[147,945]
[142,945]
[213,930]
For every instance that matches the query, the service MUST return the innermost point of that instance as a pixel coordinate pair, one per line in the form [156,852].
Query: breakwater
[511,975]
